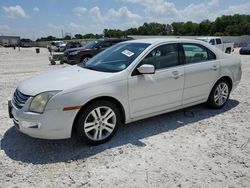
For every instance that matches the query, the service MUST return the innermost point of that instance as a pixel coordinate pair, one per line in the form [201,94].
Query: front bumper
[71,59]
[52,124]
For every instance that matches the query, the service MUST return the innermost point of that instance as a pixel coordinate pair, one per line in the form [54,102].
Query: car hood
[78,49]
[62,79]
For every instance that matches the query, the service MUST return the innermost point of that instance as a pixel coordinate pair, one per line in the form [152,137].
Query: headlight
[73,53]
[39,102]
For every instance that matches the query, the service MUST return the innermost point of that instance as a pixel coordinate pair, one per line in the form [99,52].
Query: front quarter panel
[81,96]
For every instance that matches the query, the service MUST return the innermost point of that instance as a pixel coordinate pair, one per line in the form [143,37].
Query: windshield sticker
[128,53]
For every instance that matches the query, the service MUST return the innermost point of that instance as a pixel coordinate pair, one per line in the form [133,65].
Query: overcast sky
[36,18]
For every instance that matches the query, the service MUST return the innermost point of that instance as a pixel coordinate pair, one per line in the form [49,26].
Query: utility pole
[62,33]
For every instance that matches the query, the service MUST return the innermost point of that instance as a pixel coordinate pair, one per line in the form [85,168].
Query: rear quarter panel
[231,66]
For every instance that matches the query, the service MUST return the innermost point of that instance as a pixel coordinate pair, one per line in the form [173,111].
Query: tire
[85,59]
[61,62]
[228,50]
[52,62]
[219,94]
[92,127]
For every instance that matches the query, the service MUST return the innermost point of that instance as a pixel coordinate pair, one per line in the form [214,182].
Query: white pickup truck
[217,41]
[56,46]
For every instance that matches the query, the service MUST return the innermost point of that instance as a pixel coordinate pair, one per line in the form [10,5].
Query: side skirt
[165,111]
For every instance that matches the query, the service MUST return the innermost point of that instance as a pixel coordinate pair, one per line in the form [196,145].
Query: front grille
[66,54]
[19,99]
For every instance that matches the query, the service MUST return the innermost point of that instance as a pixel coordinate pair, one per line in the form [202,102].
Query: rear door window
[196,53]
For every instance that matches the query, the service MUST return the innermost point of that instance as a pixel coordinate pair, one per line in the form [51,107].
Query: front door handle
[176,74]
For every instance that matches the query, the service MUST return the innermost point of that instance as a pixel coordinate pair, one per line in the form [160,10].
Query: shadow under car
[20,147]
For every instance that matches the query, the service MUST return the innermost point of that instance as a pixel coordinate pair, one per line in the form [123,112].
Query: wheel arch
[227,78]
[228,49]
[107,98]
[85,55]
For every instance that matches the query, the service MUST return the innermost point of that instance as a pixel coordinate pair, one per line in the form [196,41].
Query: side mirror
[98,47]
[146,69]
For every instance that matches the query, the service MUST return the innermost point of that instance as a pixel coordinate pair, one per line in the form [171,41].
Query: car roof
[161,40]
[114,39]
[208,38]
[56,41]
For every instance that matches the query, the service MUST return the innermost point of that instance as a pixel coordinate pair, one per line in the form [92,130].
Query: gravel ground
[195,147]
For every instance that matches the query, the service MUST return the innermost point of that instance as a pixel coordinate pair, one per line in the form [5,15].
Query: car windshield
[248,45]
[116,58]
[91,44]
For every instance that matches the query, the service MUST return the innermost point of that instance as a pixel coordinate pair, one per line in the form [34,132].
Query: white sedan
[130,81]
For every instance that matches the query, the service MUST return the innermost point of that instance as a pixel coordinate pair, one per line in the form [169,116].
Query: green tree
[78,36]
[67,37]
[89,36]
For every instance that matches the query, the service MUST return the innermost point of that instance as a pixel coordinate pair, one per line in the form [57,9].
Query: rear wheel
[98,122]
[219,94]
[228,50]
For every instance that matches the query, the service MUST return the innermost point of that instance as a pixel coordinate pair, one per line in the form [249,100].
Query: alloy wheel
[100,123]
[221,94]
[85,60]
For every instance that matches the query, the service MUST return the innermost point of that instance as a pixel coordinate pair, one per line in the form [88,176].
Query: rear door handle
[214,68]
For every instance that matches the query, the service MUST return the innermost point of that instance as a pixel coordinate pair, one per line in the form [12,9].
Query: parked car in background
[25,45]
[89,50]
[218,42]
[245,50]
[130,81]
[71,45]
[56,46]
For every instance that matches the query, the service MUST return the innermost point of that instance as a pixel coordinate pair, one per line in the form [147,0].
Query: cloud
[76,27]
[115,15]
[95,14]
[157,10]
[237,9]
[213,3]
[36,9]
[120,18]
[14,12]
[54,26]
[69,28]
[79,11]
[165,11]
[122,13]
[4,28]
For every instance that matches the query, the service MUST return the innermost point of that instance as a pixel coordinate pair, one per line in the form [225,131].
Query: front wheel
[98,122]
[219,94]
[85,60]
